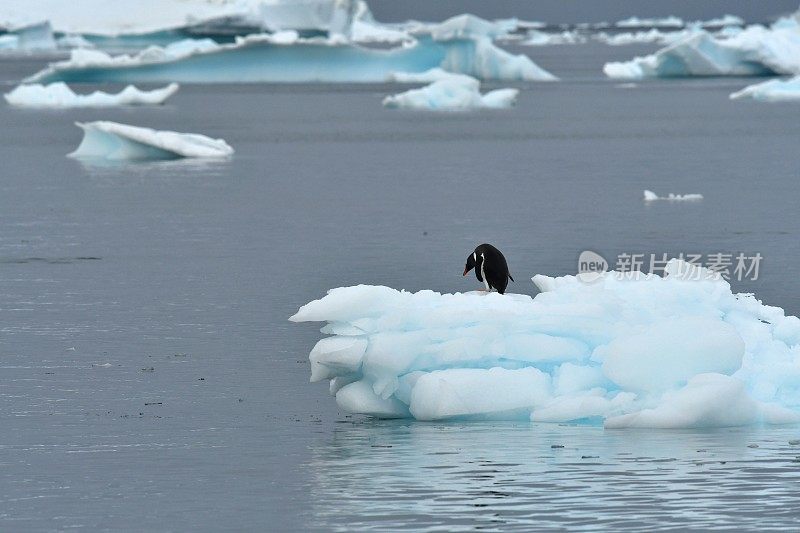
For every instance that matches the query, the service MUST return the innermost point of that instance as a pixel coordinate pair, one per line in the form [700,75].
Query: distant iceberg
[664,22]
[59,95]
[542,38]
[35,37]
[73,41]
[449,92]
[650,196]
[725,20]
[626,350]
[287,57]
[753,51]
[651,36]
[119,142]
[130,24]
[772,91]
[468,26]
[115,17]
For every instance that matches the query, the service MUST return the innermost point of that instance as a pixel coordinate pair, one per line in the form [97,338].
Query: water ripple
[395,475]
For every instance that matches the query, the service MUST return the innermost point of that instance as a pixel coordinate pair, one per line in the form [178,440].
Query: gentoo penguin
[490,267]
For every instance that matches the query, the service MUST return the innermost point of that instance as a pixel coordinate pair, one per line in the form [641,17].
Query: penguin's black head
[473,260]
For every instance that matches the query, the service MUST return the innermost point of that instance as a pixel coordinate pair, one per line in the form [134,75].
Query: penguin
[490,267]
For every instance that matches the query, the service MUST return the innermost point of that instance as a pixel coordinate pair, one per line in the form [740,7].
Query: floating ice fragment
[772,91]
[59,95]
[450,92]
[650,196]
[630,350]
[541,38]
[651,36]
[664,22]
[114,141]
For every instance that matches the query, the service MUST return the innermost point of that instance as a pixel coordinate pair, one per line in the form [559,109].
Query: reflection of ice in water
[195,170]
[386,475]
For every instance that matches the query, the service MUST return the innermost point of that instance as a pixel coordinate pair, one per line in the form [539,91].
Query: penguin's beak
[466,270]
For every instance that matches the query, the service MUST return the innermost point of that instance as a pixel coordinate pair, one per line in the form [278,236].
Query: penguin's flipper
[510,277]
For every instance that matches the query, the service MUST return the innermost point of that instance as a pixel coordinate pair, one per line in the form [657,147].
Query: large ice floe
[448,92]
[626,350]
[119,142]
[59,95]
[460,45]
[753,51]
[772,91]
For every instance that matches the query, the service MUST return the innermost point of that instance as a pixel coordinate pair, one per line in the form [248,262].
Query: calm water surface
[149,378]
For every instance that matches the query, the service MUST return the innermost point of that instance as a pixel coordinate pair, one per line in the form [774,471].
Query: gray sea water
[150,380]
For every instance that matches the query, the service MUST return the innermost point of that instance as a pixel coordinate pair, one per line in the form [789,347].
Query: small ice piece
[650,196]
[626,350]
[664,22]
[542,38]
[371,32]
[450,93]
[772,91]
[725,20]
[59,95]
[117,142]
[428,76]
[651,36]
[359,398]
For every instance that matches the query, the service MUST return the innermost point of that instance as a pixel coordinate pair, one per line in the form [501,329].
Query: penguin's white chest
[483,275]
